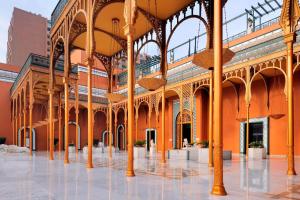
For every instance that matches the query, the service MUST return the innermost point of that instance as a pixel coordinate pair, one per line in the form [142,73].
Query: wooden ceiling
[161,10]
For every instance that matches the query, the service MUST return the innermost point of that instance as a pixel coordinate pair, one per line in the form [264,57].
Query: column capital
[290,37]
[89,61]
[50,91]
[65,80]
[129,30]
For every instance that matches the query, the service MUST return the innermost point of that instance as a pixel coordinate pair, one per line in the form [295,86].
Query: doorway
[150,135]
[121,137]
[258,132]
[186,132]
[183,128]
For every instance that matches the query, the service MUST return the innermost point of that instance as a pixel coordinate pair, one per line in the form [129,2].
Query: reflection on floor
[38,178]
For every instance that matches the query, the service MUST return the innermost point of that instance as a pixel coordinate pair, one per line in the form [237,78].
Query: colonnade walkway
[22,177]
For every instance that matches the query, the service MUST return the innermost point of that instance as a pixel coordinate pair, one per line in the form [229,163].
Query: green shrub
[71,145]
[256,144]
[140,143]
[2,140]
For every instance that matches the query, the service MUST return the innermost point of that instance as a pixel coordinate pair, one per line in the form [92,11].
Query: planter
[199,154]
[139,152]
[178,154]
[257,153]
[95,150]
[227,155]
[152,152]
[71,149]
[106,149]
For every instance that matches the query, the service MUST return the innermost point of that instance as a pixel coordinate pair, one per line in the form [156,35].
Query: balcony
[58,10]
[39,61]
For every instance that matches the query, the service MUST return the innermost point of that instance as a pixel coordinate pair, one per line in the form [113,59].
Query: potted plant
[256,150]
[139,149]
[72,147]
[2,140]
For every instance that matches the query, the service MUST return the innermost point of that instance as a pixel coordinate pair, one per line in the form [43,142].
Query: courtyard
[23,177]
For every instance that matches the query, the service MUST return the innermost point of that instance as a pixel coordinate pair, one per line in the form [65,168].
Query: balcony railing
[189,48]
[57,11]
[40,61]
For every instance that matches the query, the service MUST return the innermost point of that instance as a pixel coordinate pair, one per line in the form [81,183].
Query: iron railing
[58,10]
[185,50]
[40,61]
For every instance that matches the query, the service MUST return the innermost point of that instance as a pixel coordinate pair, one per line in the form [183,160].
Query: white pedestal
[199,154]
[107,148]
[71,149]
[178,154]
[257,153]
[152,152]
[139,152]
[227,155]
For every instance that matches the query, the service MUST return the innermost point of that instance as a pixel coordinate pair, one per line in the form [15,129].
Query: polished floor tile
[22,177]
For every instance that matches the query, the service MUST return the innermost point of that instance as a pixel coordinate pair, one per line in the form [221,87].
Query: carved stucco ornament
[130,11]
[289,8]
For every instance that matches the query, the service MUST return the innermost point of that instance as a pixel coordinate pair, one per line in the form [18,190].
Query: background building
[27,33]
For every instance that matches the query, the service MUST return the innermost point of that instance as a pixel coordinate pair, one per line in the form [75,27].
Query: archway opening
[183,129]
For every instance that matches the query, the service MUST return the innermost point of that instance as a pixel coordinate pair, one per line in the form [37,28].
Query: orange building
[259,54]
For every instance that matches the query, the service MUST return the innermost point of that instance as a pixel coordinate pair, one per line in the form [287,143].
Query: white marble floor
[24,178]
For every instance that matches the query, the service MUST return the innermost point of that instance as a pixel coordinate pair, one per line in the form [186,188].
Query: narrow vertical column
[24,117]
[247,109]
[77,117]
[110,131]
[136,123]
[90,47]
[125,131]
[218,186]
[66,88]
[20,121]
[210,122]
[116,134]
[51,125]
[13,120]
[289,39]
[90,114]
[59,124]
[130,16]
[30,118]
[16,123]
[163,126]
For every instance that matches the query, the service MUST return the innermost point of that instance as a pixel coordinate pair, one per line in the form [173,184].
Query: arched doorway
[183,128]
[121,137]
[150,135]
[72,123]
[105,138]
[27,142]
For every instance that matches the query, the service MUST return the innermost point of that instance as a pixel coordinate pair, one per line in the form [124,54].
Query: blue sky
[45,8]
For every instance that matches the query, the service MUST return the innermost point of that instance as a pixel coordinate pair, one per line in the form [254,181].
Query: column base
[163,161]
[130,173]
[66,161]
[291,172]
[89,166]
[219,190]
